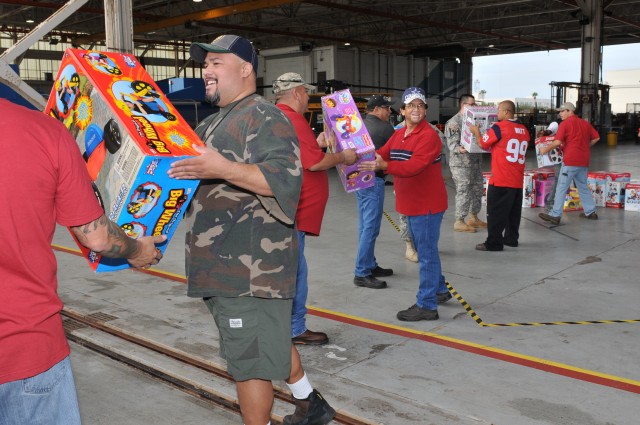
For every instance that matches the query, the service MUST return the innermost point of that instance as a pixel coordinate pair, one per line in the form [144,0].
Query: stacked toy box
[543,178]
[615,189]
[528,190]
[572,200]
[597,182]
[344,129]
[129,134]
[632,196]
[486,175]
[483,117]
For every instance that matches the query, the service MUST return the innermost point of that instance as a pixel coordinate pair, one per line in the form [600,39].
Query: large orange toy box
[129,134]
[345,129]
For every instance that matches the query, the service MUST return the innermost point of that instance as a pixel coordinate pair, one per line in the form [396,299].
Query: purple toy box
[344,129]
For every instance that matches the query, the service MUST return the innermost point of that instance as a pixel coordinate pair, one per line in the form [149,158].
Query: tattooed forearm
[120,245]
[117,244]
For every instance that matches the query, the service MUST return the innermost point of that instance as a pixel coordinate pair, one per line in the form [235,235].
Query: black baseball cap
[377,100]
[235,44]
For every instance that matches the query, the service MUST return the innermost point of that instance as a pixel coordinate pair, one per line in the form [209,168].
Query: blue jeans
[299,310]
[370,206]
[425,232]
[45,399]
[579,176]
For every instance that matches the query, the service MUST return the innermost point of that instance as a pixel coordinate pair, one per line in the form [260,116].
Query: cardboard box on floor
[129,134]
[344,129]
[632,196]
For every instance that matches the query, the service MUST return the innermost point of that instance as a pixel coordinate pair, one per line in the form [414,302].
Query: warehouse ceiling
[435,28]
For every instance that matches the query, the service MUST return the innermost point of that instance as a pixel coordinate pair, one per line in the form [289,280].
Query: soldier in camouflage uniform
[242,246]
[466,170]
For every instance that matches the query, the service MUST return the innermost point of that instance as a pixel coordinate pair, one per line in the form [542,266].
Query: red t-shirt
[508,141]
[43,180]
[415,162]
[576,135]
[315,184]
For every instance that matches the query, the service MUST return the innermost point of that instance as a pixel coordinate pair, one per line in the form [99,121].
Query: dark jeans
[504,209]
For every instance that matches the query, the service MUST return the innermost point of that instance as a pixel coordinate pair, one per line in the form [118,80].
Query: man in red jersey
[508,140]
[45,182]
[413,155]
[576,136]
[293,99]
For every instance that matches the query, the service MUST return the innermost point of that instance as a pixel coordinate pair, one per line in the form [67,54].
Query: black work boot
[313,410]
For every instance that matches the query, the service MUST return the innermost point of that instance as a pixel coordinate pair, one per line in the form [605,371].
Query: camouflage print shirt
[452,132]
[240,243]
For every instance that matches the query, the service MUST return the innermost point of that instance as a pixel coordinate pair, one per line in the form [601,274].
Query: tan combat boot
[474,221]
[411,253]
[461,226]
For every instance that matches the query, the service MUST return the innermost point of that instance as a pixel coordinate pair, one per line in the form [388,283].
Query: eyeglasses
[418,106]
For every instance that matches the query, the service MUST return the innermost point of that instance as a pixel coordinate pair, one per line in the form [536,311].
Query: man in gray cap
[241,246]
[576,136]
[293,99]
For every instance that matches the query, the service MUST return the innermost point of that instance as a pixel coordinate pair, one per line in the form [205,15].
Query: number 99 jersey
[508,141]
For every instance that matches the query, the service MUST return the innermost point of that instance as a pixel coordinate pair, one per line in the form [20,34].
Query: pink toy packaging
[344,129]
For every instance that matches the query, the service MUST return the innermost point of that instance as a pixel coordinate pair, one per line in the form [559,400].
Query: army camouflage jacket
[240,243]
[452,132]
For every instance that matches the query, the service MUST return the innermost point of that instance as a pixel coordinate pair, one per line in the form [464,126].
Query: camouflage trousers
[404,230]
[468,181]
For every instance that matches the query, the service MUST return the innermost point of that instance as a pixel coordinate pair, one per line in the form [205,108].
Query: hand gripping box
[553,157]
[129,134]
[632,196]
[344,129]
[615,189]
[482,116]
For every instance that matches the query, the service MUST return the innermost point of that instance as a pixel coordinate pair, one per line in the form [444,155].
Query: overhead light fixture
[197,1]
[347,44]
[491,46]
[29,21]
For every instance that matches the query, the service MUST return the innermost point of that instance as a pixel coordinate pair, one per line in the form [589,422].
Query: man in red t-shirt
[576,136]
[508,140]
[292,98]
[45,181]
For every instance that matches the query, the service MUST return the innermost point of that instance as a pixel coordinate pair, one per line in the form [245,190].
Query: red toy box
[129,135]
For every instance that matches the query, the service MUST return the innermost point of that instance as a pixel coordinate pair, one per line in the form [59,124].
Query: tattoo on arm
[119,244]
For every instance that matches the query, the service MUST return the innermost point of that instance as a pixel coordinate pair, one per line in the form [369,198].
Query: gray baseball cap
[288,81]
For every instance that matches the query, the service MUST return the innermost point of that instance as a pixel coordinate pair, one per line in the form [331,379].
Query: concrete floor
[450,371]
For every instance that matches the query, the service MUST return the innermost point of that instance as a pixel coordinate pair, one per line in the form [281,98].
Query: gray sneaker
[415,313]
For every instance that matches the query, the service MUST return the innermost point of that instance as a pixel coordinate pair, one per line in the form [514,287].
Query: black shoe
[511,244]
[369,282]
[592,216]
[310,338]
[484,247]
[415,313]
[551,219]
[380,272]
[313,410]
[444,297]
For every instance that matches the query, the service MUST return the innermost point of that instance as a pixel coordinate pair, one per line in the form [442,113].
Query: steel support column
[118,24]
